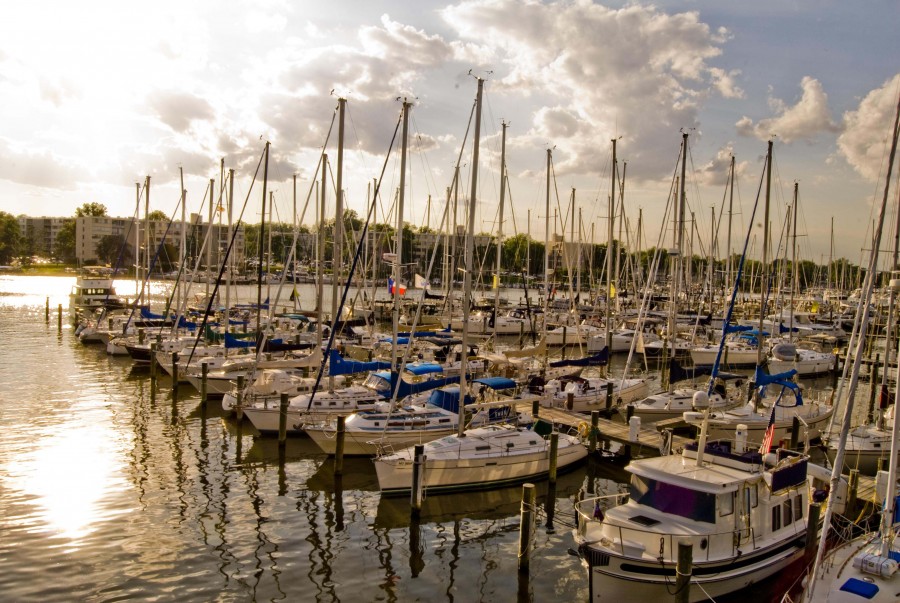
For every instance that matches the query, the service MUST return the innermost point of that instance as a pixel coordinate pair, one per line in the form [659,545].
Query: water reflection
[68,475]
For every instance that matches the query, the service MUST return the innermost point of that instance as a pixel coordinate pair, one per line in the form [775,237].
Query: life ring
[583,429]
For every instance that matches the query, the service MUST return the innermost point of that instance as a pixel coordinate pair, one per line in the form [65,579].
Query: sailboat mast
[764,275]
[794,272]
[338,224]
[398,237]
[259,243]
[230,255]
[469,262]
[547,243]
[609,246]
[730,214]
[504,125]
[320,253]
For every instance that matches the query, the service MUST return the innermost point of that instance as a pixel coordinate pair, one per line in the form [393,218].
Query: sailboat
[864,568]
[480,456]
[742,510]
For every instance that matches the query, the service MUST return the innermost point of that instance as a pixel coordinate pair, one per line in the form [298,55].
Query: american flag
[770,433]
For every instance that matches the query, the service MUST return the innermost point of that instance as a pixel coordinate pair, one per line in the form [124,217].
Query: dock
[649,440]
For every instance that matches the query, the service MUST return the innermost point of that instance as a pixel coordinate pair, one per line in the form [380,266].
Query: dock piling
[282,420]
[526,527]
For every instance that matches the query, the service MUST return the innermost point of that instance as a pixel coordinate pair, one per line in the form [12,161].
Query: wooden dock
[648,442]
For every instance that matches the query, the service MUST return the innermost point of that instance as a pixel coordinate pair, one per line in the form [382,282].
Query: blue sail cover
[737,328]
[232,342]
[146,313]
[762,380]
[186,324]
[424,368]
[496,382]
[338,365]
[600,359]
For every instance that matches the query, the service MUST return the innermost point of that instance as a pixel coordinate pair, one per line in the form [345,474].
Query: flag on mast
[770,433]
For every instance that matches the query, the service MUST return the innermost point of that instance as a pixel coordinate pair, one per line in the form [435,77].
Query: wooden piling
[535,409]
[609,392]
[417,492]
[874,387]
[339,447]
[526,527]
[174,372]
[153,362]
[852,491]
[812,534]
[59,318]
[554,453]
[795,433]
[592,437]
[239,405]
[282,420]
[683,572]
[570,401]
[204,376]
[47,311]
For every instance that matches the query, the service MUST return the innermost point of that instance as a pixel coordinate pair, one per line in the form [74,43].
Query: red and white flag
[770,433]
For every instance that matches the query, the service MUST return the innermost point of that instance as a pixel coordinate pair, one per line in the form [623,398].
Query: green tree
[90,209]
[9,237]
[64,248]
[110,247]
[156,215]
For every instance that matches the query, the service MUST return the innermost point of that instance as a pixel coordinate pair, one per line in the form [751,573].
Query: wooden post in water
[204,376]
[683,572]
[339,447]
[153,362]
[417,491]
[812,534]
[570,401]
[174,373]
[853,487]
[629,412]
[59,318]
[592,438]
[282,420]
[554,453]
[609,392]
[47,311]
[239,405]
[564,344]
[795,433]
[141,336]
[875,386]
[526,526]
[535,409]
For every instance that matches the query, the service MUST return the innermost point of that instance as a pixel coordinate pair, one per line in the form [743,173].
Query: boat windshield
[669,498]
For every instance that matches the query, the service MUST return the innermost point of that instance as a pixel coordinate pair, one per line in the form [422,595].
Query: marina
[101,468]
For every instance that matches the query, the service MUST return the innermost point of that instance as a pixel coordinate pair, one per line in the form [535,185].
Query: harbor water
[112,490]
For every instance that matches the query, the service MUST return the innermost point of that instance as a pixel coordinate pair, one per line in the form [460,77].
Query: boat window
[788,512]
[443,420]
[754,495]
[482,448]
[726,504]
[798,508]
[669,498]
[776,518]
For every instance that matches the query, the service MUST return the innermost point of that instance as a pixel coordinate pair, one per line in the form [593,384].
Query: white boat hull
[395,477]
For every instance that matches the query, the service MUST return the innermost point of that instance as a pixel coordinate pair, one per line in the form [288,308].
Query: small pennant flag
[421,282]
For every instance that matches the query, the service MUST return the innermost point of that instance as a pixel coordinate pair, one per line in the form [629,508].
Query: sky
[98,95]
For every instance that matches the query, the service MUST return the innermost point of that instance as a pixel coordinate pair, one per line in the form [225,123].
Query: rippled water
[111,491]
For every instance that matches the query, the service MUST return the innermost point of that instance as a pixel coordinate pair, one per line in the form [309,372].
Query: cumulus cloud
[635,71]
[179,109]
[36,168]
[866,136]
[806,119]
[716,170]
